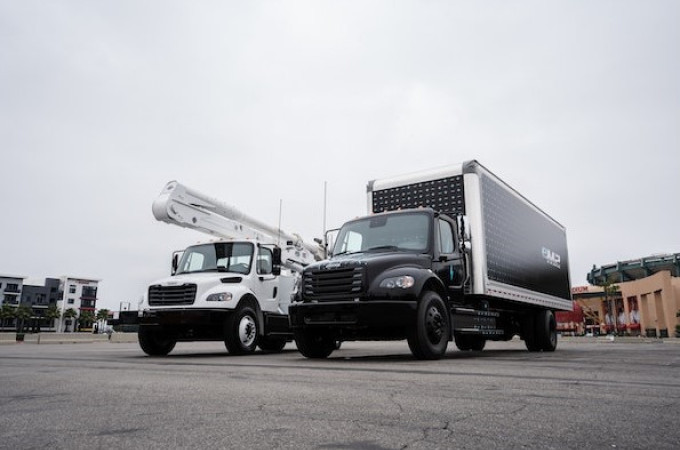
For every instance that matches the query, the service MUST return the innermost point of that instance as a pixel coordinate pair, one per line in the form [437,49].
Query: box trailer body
[519,252]
[447,254]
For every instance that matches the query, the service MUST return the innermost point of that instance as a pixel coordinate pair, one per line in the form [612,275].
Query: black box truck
[447,254]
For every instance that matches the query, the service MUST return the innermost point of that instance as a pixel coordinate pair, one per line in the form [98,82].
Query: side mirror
[276,261]
[330,238]
[175,263]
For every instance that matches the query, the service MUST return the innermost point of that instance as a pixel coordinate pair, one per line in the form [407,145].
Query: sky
[575,104]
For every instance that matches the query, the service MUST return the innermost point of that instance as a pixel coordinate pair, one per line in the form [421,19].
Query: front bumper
[184,317]
[350,315]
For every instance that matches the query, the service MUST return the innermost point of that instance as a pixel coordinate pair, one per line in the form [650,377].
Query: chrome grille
[333,284]
[172,295]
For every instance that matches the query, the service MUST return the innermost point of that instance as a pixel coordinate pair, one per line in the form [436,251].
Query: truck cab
[381,266]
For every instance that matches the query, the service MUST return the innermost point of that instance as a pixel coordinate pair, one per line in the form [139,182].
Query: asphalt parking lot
[368,395]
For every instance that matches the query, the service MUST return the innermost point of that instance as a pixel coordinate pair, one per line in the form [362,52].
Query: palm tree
[86,318]
[6,312]
[103,314]
[102,317]
[70,314]
[52,313]
[22,313]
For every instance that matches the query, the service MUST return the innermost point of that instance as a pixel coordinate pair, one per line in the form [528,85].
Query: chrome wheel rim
[247,331]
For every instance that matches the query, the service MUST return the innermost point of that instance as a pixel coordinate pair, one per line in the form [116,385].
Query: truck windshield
[401,232]
[219,257]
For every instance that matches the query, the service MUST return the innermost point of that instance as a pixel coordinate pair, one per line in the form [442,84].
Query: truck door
[448,263]
[265,286]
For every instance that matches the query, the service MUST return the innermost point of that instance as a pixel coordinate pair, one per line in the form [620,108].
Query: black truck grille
[172,295]
[333,285]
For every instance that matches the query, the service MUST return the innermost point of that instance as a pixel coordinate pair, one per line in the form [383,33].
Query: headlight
[403,282]
[220,297]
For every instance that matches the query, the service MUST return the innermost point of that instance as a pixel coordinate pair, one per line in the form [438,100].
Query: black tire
[314,344]
[429,336]
[154,341]
[240,332]
[467,343]
[546,331]
[271,345]
[540,332]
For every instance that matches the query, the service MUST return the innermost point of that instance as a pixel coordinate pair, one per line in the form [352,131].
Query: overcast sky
[576,104]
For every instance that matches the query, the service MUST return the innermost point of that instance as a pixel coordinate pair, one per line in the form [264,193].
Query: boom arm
[185,207]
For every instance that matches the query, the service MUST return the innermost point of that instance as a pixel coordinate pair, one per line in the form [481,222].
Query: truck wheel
[466,343]
[540,332]
[154,341]
[529,333]
[546,331]
[240,334]
[314,344]
[429,337]
[271,345]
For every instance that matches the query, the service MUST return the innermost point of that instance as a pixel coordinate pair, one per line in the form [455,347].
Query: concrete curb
[618,340]
[67,338]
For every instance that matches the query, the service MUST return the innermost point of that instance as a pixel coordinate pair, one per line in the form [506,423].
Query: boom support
[182,206]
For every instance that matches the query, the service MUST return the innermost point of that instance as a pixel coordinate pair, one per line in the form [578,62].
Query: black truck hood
[377,261]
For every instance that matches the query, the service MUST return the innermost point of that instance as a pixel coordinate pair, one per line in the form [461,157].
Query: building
[643,298]
[79,295]
[39,297]
[11,287]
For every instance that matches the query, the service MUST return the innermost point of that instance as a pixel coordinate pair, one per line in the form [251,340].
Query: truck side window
[264,261]
[445,237]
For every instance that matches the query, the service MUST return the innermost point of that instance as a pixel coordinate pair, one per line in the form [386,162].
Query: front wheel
[314,344]
[240,334]
[154,341]
[429,337]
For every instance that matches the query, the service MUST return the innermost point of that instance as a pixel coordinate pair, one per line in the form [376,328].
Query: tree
[22,313]
[103,314]
[52,313]
[6,313]
[610,291]
[70,314]
[86,318]
[102,317]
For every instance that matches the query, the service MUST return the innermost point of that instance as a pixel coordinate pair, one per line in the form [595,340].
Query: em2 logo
[551,257]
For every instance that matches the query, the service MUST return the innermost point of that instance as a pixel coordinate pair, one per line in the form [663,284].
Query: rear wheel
[240,334]
[154,341]
[546,331]
[271,345]
[540,332]
[314,344]
[467,342]
[429,337]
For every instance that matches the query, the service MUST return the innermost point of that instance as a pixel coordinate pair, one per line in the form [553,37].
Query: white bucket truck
[236,288]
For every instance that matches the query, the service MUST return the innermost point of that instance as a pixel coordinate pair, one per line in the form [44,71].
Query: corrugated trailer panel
[519,252]
[524,248]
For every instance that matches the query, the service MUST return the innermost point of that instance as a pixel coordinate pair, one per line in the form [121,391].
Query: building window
[90,291]
[72,289]
[12,287]
[70,301]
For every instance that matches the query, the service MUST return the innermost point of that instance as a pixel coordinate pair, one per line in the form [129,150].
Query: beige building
[656,300]
[645,304]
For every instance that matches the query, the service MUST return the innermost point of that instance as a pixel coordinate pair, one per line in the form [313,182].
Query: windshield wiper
[347,253]
[383,247]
